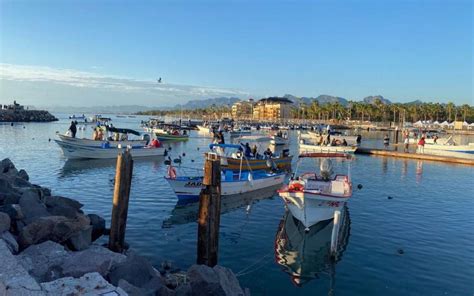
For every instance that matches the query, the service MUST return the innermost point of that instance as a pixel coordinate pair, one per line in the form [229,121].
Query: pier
[391,153]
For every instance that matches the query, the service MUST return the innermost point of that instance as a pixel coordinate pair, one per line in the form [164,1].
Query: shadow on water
[306,255]
[188,213]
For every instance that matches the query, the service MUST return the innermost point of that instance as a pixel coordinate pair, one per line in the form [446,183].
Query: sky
[76,53]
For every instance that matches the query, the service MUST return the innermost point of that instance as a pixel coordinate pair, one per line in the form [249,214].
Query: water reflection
[73,167]
[187,213]
[306,255]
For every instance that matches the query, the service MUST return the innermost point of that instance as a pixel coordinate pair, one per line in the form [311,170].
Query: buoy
[400,251]
[389,197]
[184,154]
[198,148]
[49,140]
[192,160]
[359,186]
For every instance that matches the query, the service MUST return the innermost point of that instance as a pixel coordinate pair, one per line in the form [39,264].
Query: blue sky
[96,52]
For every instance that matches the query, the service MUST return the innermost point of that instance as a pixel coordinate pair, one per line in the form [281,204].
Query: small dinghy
[76,151]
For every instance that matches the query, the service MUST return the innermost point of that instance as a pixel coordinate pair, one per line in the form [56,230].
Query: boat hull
[240,133]
[351,140]
[188,188]
[98,144]
[327,149]
[312,208]
[74,151]
[163,137]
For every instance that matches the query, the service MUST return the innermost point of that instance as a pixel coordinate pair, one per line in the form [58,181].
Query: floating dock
[391,153]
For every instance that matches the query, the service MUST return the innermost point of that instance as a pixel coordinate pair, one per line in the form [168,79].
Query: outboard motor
[326,169]
[146,137]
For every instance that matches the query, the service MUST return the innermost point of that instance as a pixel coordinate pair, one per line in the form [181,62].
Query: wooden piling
[123,180]
[209,212]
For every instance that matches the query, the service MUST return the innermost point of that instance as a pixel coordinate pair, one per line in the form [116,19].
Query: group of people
[252,152]
[420,144]
[327,141]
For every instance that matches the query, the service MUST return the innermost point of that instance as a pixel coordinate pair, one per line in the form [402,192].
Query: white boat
[204,129]
[76,151]
[319,138]
[188,188]
[277,141]
[309,147]
[95,143]
[312,198]
[238,133]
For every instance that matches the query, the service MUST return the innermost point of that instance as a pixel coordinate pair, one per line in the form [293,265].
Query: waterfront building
[242,109]
[272,108]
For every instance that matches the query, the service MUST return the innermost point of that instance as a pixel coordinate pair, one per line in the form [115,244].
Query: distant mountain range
[195,104]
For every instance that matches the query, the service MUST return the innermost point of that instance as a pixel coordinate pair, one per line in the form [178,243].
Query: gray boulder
[24,175]
[9,198]
[32,207]
[89,284]
[60,201]
[55,228]
[98,226]
[13,211]
[7,167]
[5,222]
[43,261]
[10,241]
[19,182]
[131,290]
[95,258]
[219,280]
[14,277]
[81,239]
[136,270]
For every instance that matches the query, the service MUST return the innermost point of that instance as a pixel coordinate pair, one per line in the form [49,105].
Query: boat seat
[337,187]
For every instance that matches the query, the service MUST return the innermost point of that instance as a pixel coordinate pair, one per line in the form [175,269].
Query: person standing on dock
[73,129]
[406,142]
[421,145]
[386,141]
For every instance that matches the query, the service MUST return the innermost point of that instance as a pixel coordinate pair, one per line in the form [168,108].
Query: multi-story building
[242,109]
[272,108]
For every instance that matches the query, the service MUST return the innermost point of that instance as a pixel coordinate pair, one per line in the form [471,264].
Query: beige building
[242,109]
[272,108]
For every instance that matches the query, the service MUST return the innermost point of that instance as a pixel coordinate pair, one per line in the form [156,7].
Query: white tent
[465,123]
[436,122]
[444,123]
[418,123]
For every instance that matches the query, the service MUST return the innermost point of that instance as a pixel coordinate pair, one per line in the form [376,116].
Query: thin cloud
[90,80]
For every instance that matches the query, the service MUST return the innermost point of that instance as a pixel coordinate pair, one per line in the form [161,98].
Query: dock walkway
[392,153]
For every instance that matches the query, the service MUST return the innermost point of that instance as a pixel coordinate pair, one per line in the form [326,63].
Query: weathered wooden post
[209,212]
[123,180]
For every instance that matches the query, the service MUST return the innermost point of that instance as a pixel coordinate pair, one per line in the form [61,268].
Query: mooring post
[123,180]
[209,212]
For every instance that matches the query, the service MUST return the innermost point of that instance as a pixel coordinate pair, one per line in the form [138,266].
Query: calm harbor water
[424,209]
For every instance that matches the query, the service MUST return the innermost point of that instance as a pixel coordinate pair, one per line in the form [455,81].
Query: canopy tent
[123,131]
[444,123]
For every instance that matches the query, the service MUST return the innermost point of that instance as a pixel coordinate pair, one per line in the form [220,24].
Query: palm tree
[465,110]
[450,108]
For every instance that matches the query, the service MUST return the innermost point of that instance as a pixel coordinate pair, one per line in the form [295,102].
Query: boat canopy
[124,131]
[325,155]
[226,146]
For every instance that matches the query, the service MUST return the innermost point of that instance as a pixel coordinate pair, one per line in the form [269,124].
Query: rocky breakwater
[26,116]
[48,247]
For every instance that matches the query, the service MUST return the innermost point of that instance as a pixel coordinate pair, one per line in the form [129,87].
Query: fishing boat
[306,255]
[450,148]
[312,198]
[120,133]
[189,187]
[171,137]
[77,151]
[231,158]
[319,138]
[311,147]
[78,117]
